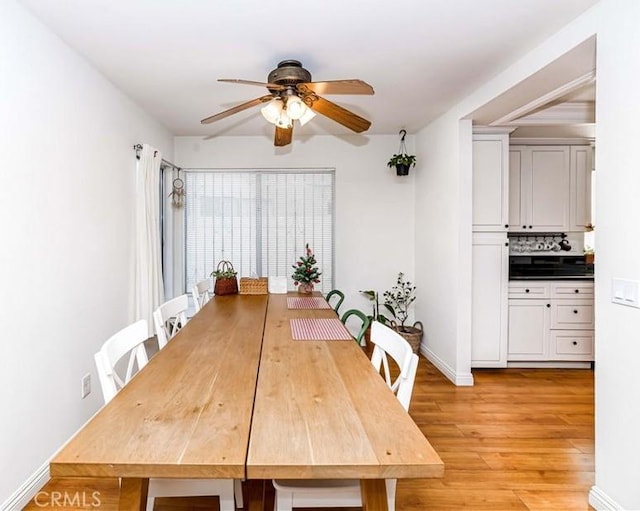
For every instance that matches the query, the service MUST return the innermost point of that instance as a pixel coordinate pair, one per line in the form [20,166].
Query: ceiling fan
[293,96]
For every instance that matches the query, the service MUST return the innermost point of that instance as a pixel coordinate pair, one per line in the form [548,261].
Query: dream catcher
[177,192]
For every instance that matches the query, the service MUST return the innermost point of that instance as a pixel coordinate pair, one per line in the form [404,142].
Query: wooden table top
[187,413]
[321,411]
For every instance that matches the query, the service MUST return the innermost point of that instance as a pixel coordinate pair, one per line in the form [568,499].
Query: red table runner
[307,302]
[319,329]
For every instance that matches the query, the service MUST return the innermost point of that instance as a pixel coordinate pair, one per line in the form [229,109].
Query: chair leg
[150,502]
[391,494]
[237,488]
[283,501]
[227,500]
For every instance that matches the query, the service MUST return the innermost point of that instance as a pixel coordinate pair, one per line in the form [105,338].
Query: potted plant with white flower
[397,301]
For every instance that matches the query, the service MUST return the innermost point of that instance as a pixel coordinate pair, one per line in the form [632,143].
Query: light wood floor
[517,440]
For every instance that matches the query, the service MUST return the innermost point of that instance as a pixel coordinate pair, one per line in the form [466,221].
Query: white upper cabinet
[581,168]
[490,182]
[549,188]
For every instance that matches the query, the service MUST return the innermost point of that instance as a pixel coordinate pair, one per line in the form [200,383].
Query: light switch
[625,292]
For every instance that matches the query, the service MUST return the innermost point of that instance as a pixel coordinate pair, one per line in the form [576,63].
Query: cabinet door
[489,300]
[581,168]
[490,178]
[548,189]
[516,218]
[528,330]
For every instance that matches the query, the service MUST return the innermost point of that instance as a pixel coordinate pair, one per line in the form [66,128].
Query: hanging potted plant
[402,161]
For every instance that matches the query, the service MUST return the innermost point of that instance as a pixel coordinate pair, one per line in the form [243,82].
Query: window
[259,220]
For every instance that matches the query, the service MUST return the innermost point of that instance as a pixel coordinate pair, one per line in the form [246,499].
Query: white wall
[66,214]
[443,198]
[438,248]
[618,231]
[374,207]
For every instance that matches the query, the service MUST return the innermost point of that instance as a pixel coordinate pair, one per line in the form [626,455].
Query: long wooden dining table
[234,396]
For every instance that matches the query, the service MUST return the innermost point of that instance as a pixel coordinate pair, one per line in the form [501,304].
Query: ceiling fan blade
[283,136]
[273,86]
[236,109]
[337,113]
[338,87]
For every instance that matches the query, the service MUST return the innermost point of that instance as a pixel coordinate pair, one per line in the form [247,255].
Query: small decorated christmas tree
[306,272]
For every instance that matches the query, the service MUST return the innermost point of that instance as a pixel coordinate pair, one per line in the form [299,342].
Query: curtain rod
[138,147]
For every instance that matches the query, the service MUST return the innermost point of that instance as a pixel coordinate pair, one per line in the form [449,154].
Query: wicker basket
[251,286]
[225,286]
[412,334]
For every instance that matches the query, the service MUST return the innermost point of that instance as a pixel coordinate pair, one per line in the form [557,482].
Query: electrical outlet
[86,385]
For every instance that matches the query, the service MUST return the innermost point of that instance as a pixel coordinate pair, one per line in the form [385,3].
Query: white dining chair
[292,493]
[201,293]
[169,318]
[130,341]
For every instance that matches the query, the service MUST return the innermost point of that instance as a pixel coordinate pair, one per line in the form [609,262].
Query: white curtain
[149,289]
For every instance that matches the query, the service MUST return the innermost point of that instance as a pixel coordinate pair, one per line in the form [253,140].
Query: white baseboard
[458,379]
[601,501]
[550,365]
[28,490]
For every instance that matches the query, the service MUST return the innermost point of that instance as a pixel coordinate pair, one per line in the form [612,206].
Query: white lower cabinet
[528,330]
[571,345]
[490,278]
[550,321]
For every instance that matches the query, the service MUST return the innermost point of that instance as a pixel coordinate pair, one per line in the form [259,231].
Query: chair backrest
[128,341]
[169,318]
[201,293]
[337,301]
[388,342]
[364,323]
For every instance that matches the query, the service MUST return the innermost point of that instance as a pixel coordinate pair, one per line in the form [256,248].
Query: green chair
[338,303]
[365,323]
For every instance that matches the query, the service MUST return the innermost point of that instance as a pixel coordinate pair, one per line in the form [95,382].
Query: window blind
[260,221]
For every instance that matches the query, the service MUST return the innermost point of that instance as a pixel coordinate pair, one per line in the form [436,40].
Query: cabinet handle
[506,226]
[548,305]
[506,244]
[577,290]
[526,290]
[524,226]
[530,227]
[575,343]
[575,311]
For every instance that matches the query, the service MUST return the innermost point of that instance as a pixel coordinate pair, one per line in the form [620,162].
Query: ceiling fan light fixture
[307,116]
[272,110]
[284,121]
[295,107]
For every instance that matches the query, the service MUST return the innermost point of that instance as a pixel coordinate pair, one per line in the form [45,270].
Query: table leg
[133,494]
[256,494]
[374,495]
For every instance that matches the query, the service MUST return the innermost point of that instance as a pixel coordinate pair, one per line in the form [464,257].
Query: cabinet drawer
[571,345]
[574,314]
[528,289]
[572,290]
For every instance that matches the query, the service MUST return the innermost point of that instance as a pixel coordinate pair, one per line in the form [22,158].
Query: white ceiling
[420,56]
